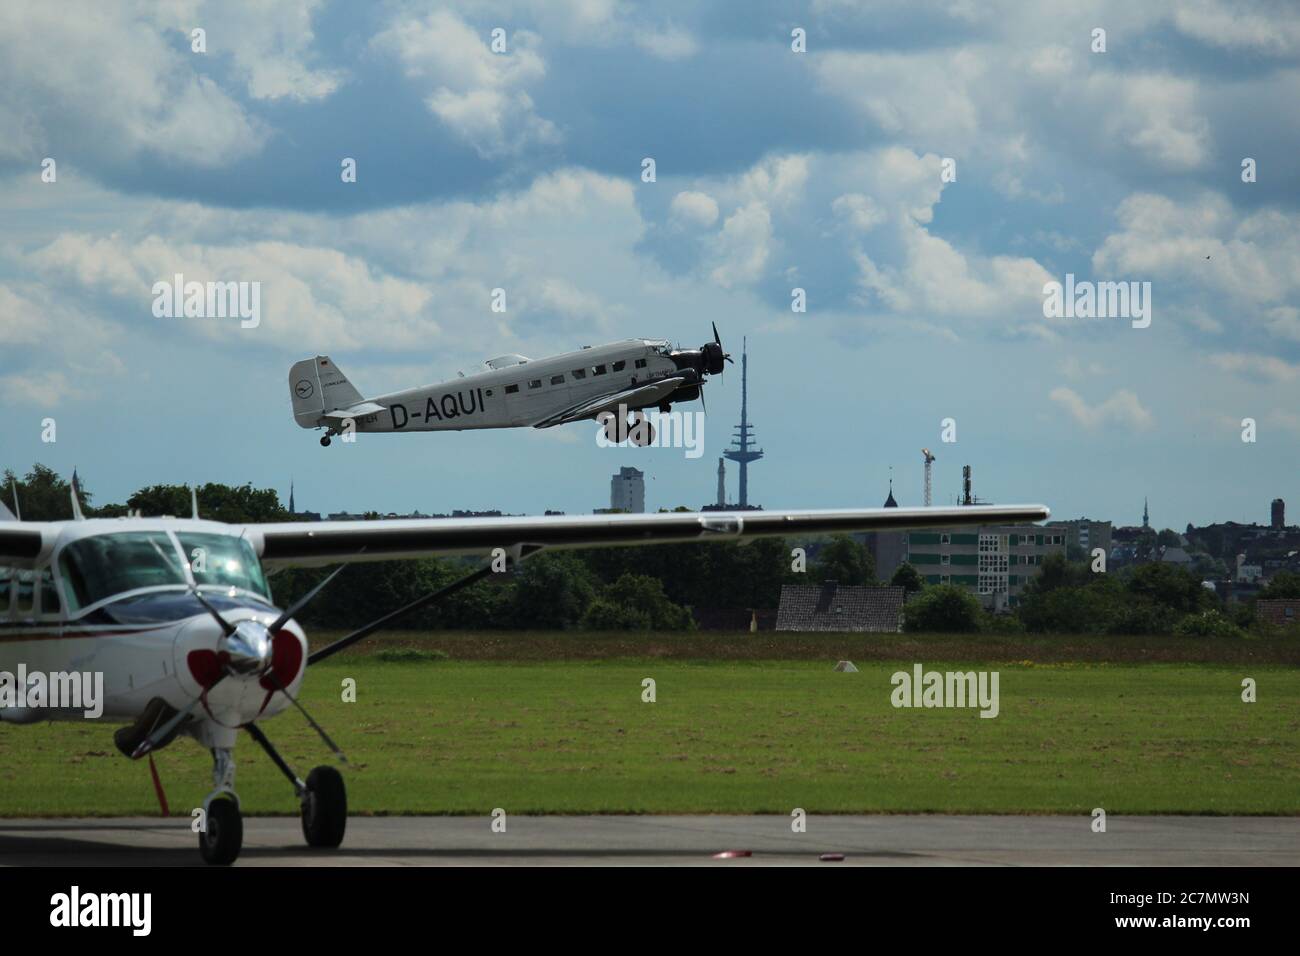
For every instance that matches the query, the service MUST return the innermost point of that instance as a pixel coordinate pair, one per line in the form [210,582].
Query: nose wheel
[222,836]
[325,441]
[221,833]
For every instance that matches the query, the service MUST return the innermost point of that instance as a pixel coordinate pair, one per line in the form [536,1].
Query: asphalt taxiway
[885,840]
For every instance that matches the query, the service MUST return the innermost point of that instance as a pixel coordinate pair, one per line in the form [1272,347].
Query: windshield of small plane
[224,560]
[101,566]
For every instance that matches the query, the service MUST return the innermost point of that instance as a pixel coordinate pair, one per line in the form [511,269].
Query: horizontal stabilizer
[356,411]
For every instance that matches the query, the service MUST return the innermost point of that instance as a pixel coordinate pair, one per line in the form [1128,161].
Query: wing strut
[431,598]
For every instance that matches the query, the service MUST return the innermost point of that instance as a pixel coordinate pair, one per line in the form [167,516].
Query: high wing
[649,394]
[314,543]
[21,542]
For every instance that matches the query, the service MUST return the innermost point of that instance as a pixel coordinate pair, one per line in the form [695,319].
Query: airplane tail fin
[316,386]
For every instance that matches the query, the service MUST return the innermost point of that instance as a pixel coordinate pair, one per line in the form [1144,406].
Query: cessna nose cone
[249,648]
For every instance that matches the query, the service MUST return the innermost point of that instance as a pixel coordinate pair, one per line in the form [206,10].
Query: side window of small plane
[620,365]
[579,373]
[640,363]
[25,586]
[598,370]
[6,589]
[49,594]
[512,389]
[557,379]
[535,383]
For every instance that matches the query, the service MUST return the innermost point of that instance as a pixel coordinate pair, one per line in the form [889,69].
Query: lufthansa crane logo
[304,389]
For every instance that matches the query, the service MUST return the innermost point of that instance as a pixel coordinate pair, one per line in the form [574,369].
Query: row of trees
[608,588]
[1067,597]
[651,588]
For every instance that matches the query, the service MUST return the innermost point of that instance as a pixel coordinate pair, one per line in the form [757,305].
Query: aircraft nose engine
[713,355]
[709,359]
[248,649]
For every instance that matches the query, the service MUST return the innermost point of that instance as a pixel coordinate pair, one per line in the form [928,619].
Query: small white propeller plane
[176,614]
[604,384]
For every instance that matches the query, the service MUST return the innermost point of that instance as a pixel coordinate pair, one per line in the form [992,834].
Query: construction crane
[929,460]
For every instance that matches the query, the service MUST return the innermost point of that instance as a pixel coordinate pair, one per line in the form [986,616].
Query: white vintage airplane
[176,614]
[604,383]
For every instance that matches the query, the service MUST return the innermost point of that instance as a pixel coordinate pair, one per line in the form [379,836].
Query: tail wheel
[223,835]
[324,808]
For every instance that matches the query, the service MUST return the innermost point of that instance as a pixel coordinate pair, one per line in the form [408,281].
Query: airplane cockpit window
[224,560]
[107,564]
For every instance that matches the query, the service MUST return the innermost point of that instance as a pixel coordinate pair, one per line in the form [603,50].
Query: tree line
[653,588]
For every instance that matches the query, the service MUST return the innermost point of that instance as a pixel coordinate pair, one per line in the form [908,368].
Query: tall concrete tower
[722,483]
[627,491]
[744,452]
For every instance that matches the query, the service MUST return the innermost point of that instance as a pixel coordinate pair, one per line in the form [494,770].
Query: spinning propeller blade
[303,601]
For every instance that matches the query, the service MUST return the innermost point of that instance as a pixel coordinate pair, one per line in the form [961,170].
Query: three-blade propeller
[164,733]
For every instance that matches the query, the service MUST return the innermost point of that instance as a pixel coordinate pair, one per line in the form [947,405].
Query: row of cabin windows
[578,373]
[20,588]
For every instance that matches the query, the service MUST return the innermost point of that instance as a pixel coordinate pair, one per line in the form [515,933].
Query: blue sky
[775,169]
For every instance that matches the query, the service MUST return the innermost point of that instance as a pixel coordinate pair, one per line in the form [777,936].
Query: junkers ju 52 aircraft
[604,383]
[199,648]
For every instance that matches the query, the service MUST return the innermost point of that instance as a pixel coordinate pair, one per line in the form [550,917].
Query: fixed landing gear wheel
[615,430]
[221,840]
[642,433]
[324,808]
[325,441]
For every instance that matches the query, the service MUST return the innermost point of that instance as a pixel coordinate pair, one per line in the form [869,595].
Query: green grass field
[729,736]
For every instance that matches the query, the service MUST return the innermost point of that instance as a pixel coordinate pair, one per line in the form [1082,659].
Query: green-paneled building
[995,561]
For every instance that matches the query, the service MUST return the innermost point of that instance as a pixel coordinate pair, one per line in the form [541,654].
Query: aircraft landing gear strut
[636,428]
[222,834]
[323,797]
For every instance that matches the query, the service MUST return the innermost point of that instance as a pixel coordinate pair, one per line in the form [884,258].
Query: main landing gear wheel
[642,433]
[223,835]
[637,429]
[324,808]
[325,441]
